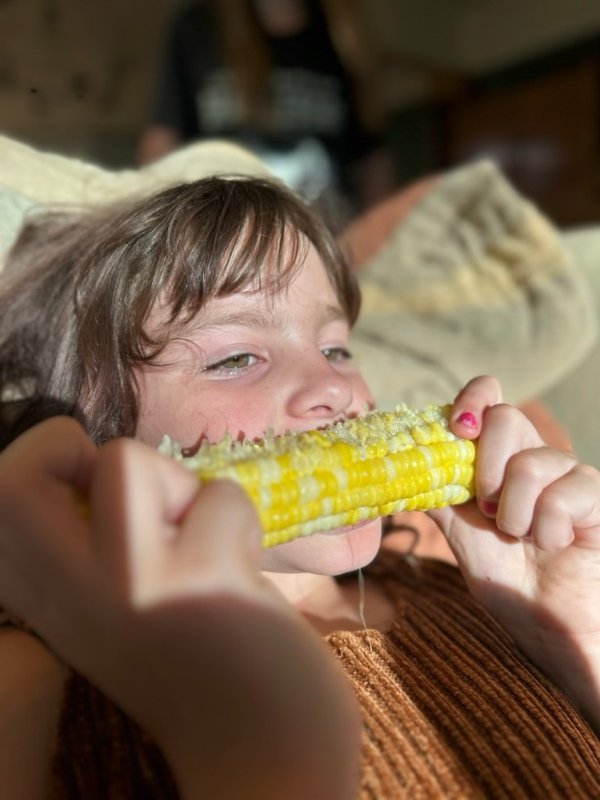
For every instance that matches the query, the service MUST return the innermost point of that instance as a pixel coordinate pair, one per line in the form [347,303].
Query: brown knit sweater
[451,709]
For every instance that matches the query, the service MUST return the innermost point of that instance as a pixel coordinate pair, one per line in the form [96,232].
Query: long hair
[78,291]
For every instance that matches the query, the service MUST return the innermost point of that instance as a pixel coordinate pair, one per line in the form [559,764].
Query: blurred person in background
[292,80]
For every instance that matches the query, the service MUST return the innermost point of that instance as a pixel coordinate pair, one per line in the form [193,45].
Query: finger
[468,531]
[57,448]
[40,473]
[160,536]
[138,497]
[221,529]
[505,432]
[470,405]
[570,508]
[528,474]
[43,535]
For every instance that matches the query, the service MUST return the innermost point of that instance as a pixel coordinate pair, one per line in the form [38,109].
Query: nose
[320,393]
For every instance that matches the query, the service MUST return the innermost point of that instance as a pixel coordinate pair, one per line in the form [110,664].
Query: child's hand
[529,547]
[157,598]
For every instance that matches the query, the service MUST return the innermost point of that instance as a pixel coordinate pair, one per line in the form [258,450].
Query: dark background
[516,81]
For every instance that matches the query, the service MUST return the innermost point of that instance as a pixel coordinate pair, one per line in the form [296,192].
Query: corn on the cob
[359,469]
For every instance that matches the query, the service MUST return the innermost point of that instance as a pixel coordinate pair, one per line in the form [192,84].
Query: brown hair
[79,288]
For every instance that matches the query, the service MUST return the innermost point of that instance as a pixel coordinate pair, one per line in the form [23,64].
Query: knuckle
[552,502]
[527,466]
[588,472]
[502,414]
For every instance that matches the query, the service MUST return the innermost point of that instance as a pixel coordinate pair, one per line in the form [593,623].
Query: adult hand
[156,597]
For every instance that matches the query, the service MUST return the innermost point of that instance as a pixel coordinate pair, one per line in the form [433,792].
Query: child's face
[254,361]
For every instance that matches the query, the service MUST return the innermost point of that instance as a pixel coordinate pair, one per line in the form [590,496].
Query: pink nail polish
[467,419]
[489,507]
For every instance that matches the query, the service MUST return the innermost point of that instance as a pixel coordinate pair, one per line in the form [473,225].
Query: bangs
[253,250]
[226,235]
[179,249]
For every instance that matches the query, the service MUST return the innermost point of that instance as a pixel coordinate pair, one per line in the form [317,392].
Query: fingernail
[467,419]
[489,507]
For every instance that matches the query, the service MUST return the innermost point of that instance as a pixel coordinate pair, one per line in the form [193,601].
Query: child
[224,306]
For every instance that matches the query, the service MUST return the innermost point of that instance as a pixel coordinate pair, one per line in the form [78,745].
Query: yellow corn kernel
[359,469]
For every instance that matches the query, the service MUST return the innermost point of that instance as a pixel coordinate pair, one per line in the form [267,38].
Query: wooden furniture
[541,123]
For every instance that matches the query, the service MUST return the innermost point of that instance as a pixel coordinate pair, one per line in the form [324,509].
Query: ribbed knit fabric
[103,755]
[450,709]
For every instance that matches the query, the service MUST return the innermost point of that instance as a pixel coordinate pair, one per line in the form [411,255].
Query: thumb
[220,529]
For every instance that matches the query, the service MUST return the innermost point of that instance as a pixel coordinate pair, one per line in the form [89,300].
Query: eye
[233,363]
[336,354]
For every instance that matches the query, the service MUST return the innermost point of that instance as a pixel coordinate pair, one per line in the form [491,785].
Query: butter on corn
[356,470]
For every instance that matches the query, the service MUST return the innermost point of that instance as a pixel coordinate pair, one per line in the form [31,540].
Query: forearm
[282,722]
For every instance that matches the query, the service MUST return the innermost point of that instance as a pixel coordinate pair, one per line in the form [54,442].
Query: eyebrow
[255,319]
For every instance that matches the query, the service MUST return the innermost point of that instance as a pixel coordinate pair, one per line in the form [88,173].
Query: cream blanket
[473,281]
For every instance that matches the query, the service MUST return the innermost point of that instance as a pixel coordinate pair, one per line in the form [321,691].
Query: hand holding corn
[355,470]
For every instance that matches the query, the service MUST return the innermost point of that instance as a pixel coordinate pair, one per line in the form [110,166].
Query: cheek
[167,408]
[237,414]
[187,414]
[362,398]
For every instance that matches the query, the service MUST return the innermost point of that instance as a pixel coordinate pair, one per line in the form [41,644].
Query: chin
[331,553]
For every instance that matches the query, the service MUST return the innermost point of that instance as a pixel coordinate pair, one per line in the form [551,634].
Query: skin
[281,18]
[138,581]
[530,548]
[253,362]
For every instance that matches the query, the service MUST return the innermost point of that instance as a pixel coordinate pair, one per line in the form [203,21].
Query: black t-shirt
[314,131]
